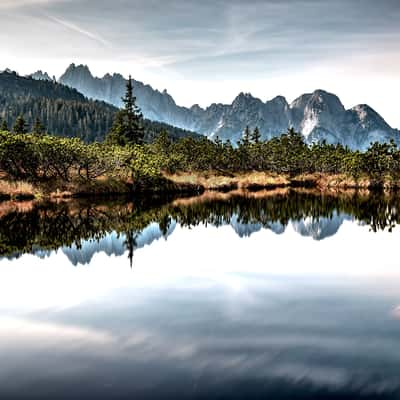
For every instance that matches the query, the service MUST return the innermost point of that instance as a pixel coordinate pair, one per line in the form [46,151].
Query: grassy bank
[184,182]
[263,180]
[100,187]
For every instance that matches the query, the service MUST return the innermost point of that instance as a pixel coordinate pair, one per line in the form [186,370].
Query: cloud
[166,43]
[81,31]
[10,4]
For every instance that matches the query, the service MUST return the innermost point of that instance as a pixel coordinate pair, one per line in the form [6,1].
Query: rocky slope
[318,116]
[155,105]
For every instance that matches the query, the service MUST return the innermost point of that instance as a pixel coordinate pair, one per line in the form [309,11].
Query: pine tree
[131,244]
[128,124]
[134,117]
[4,126]
[117,132]
[38,128]
[162,142]
[246,136]
[256,136]
[20,125]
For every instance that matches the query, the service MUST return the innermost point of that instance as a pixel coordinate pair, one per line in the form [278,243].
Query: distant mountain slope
[40,76]
[318,116]
[63,110]
[155,105]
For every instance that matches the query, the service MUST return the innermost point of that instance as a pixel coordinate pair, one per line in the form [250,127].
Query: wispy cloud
[256,45]
[75,28]
[10,4]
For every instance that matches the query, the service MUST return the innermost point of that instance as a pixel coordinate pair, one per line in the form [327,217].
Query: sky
[211,50]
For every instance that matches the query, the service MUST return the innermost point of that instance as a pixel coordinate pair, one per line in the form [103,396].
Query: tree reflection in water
[32,228]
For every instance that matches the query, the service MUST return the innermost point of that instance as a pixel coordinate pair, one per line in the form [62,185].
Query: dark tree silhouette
[20,125]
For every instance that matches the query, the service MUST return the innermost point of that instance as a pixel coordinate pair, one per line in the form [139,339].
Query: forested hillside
[63,110]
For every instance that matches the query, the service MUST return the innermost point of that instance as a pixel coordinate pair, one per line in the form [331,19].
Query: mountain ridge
[319,116]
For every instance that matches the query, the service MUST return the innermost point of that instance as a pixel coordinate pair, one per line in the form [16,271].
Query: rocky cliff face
[318,116]
[155,105]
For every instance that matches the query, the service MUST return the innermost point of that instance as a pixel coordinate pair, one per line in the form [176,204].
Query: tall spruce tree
[117,132]
[246,136]
[38,128]
[4,126]
[20,125]
[256,135]
[128,123]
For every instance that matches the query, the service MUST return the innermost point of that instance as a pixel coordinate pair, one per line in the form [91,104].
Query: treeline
[67,118]
[286,154]
[35,157]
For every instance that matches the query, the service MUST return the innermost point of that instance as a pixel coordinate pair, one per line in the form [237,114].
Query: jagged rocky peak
[365,114]
[113,77]
[278,100]
[76,72]
[196,108]
[40,76]
[318,101]
[364,126]
[244,99]
[318,116]
[327,102]
[277,106]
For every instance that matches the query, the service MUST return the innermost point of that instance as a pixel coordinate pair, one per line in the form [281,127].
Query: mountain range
[318,116]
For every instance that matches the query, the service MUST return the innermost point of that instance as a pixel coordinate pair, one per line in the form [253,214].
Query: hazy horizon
[211,51]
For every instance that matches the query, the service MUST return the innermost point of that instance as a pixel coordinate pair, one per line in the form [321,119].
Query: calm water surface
[271,295]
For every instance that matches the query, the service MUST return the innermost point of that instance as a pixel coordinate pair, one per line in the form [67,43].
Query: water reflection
[283,296]
[82,229]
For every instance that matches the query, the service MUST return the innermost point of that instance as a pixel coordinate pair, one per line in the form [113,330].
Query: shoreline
[187,183]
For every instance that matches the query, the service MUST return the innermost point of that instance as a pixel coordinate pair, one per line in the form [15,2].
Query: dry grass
[56,190]
[341,181]
[212,195]
[17,190]
[208,181]
[7,207]
[214,181]
[60,194]
[262,180]
[237,183]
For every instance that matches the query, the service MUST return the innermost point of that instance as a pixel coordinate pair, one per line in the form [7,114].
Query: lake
[272,294]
